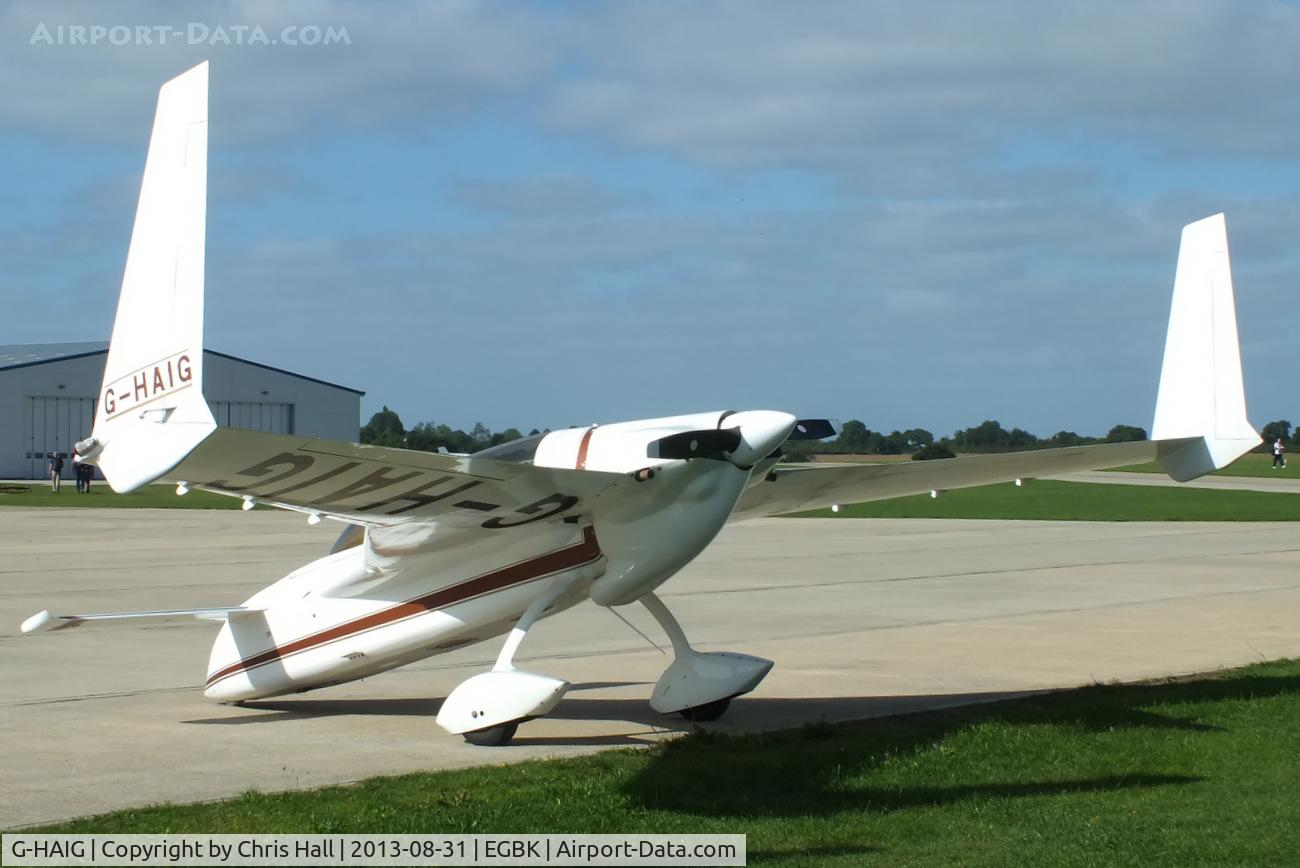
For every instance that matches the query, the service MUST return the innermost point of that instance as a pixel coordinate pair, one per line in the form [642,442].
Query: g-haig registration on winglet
[440,551]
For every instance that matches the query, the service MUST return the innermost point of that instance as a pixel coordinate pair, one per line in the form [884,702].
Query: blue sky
[553,214]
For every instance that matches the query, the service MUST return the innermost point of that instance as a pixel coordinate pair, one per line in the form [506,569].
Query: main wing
[380,487]
[810,487]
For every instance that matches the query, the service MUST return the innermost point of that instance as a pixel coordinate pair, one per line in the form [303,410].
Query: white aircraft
[440,551]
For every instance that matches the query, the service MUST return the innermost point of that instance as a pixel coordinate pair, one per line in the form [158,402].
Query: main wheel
[493,736]
[706,712]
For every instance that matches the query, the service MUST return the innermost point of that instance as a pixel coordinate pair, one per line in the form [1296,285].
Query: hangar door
[54,425]
[255,416]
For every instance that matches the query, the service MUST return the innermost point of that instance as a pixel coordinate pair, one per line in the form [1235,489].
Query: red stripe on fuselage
[570,557]
[582,450]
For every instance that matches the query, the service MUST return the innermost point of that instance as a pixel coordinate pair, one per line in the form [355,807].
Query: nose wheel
[707,712]
[487,708]
[493,736]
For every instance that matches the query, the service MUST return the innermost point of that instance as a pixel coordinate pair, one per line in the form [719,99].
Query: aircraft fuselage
[375,606]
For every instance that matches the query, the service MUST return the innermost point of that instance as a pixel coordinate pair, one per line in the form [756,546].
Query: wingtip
[41,622]
[195,77]
[1213,222]
[1209,234]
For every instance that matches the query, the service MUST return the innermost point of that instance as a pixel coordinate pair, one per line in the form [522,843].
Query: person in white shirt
[1278,457]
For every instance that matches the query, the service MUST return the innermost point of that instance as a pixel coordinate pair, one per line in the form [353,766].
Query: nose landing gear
[699,685]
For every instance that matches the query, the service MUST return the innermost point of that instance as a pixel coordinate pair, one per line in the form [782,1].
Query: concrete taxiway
[862,618]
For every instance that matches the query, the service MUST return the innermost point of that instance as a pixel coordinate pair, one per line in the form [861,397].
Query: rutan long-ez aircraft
[439,551]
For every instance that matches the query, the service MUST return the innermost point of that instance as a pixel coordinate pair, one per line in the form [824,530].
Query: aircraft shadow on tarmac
[1123,708]
[747,715]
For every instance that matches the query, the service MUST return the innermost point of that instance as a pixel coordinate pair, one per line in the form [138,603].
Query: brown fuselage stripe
[582,450]
[570,557]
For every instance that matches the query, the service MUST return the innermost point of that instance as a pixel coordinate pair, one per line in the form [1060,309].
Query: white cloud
[983,242]
[842,84]
[546,197]
[407,63]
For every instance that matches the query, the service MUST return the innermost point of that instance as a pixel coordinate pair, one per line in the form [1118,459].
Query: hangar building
[48,393]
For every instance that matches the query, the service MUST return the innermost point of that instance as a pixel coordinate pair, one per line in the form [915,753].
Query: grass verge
[100,495]
[1049,500]
[1038,499]
[1183,772]
[1250,464]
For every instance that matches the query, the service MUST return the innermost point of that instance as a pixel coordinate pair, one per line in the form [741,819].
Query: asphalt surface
[862,618]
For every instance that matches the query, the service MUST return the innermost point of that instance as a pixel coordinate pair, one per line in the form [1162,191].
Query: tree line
[385,428]
[855,438]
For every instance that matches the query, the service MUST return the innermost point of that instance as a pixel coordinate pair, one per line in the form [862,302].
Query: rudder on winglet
[1201,393]
[151,411]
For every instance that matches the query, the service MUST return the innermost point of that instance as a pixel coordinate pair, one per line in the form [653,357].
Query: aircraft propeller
[708,443]
[719,443]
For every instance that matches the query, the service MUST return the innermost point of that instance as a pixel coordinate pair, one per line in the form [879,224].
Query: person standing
[56,470]
[86,473]
[81,472]
[1279,458]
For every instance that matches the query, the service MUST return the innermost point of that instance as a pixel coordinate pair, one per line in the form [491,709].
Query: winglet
[1201,393]
[151,412]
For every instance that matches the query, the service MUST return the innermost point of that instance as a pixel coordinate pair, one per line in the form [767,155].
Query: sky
[541,215]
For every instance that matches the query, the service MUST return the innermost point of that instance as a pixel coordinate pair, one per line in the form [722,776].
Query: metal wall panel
[254,416]
[54,424]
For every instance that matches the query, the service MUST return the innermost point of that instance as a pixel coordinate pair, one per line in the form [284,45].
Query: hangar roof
[25,355]
[22,355]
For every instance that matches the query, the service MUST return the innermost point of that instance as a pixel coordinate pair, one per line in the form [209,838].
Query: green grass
[1043,499]
[1037,499]
[1250,464]
[149,497]
[1190,772]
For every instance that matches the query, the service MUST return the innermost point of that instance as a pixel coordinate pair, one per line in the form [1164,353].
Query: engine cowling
[625,447]
[681,503]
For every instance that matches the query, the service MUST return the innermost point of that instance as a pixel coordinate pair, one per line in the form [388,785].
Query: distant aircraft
[440,551]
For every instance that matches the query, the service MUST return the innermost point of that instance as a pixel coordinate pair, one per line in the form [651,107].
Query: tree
[506,436]
[384,429]
[854,437]
[917,438]
[1069,438]
[428,437]
[795,451]
[1274,430]
[932,451]
[1020,439]
[889,445]
[988,436]
[1125,434]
